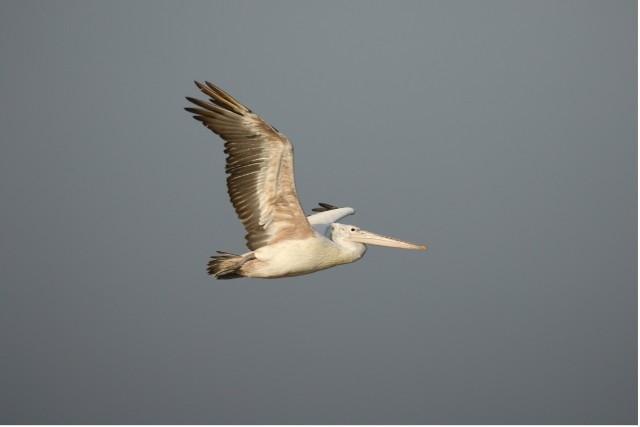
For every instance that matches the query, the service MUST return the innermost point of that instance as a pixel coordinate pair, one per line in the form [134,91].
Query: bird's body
[282,240]
[296,257]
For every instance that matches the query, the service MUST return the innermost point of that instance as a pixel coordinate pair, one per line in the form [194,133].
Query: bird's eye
[353,229]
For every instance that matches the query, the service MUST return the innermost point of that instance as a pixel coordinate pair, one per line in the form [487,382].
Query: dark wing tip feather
[222,98]
[324,207]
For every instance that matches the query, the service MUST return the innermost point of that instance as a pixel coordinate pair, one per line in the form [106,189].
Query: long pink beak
[370,238]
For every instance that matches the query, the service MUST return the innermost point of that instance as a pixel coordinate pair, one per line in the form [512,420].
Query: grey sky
[502,133]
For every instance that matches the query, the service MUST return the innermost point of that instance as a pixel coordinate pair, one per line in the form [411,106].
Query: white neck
[350,248]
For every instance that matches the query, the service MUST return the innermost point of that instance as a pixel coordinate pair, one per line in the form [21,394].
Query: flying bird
[282,240]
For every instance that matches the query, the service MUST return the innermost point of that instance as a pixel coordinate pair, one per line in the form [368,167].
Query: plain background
[502,133]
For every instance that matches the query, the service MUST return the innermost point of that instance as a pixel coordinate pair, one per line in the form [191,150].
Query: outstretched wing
[260,167]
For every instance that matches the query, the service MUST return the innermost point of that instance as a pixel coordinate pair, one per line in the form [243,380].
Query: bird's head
[350,233]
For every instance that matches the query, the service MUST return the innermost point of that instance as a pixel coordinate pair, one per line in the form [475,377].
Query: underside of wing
[326,214]
[260,167]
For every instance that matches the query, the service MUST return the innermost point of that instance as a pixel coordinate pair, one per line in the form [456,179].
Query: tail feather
[226,265]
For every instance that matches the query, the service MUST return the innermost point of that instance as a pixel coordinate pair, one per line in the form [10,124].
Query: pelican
[282,240]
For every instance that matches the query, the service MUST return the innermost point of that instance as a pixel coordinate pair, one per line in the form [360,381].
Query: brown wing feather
[260,166]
